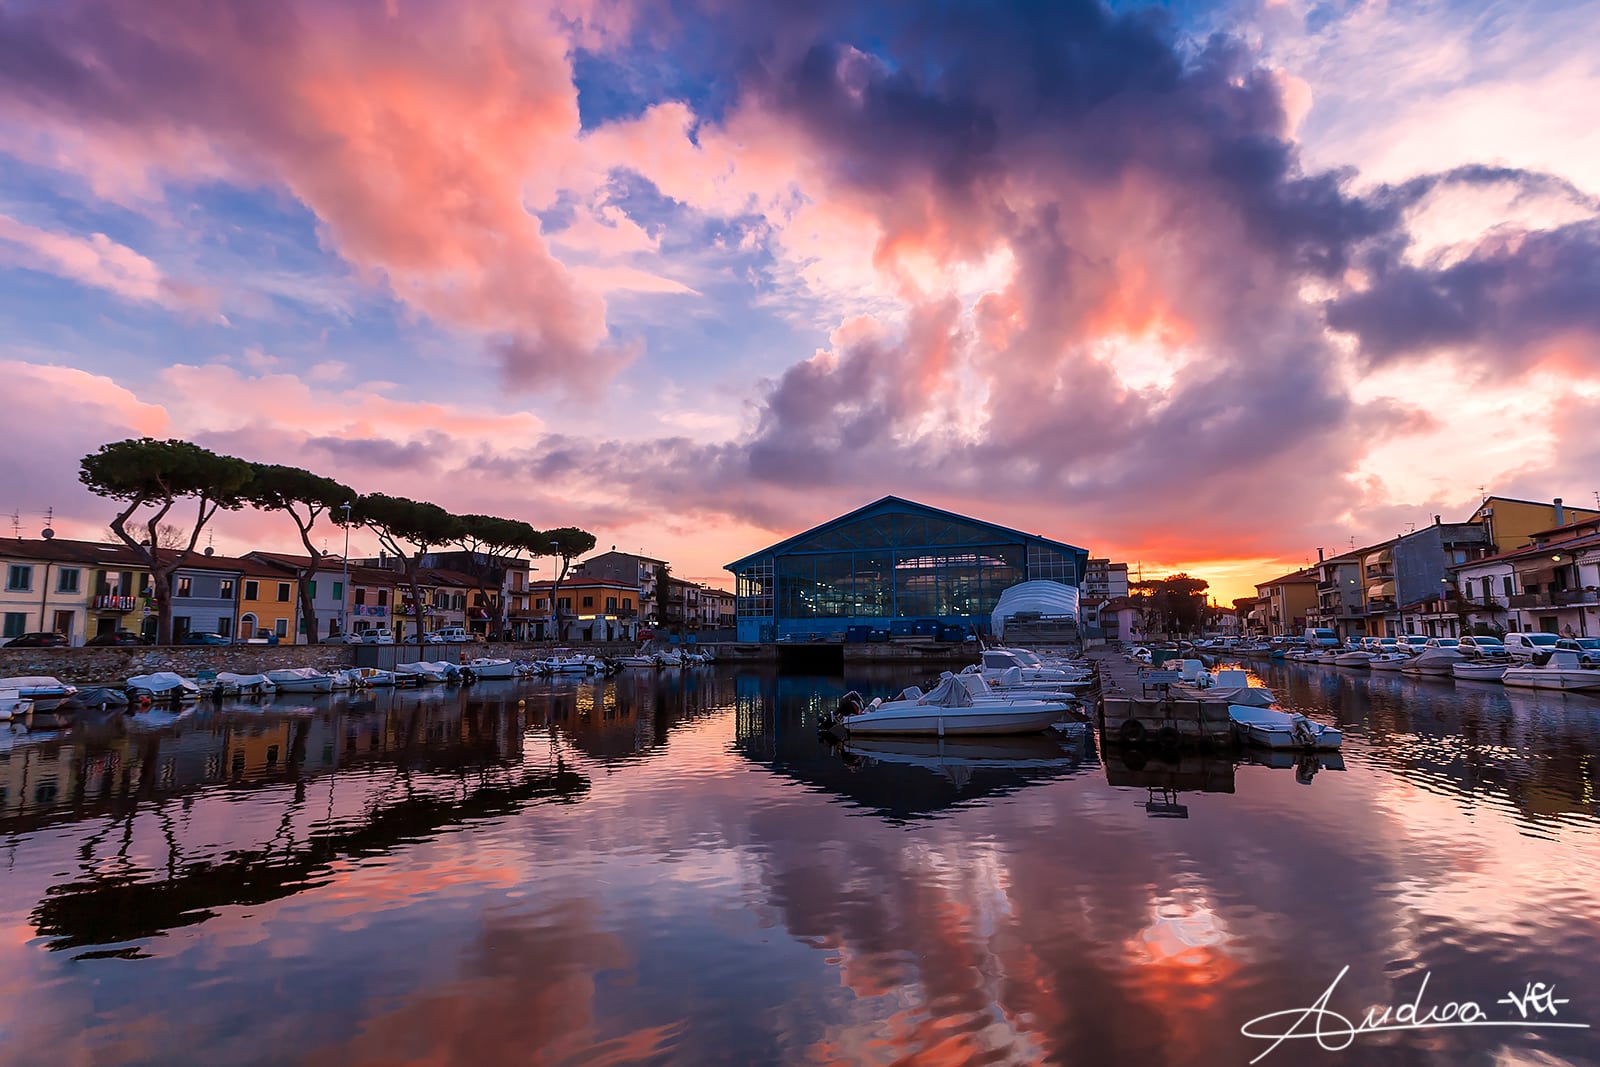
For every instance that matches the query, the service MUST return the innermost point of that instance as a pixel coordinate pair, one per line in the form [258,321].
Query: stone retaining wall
[79,666]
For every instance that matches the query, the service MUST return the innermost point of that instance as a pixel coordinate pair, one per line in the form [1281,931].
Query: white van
[1522,648]
[453,635]
[1321,637]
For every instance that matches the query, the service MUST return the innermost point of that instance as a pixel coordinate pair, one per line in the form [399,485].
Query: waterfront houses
[1551,585]
[1285,603]
[329,602]
[75,588]
[588,608]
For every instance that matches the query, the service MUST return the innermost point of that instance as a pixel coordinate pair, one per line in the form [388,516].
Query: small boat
[423,671]
[1480,671]
[163,687]
[490,670]
[1389,661]
[995,662]
[1562,669]
[372,677]
[1234,687]
[343,681]
[981,690]
[947,711]
[567,662]
[41,691]
[231,684]
[639,659]
[1271,728]
[1353,659]
[1435,660]
[301,680]
[1027,752]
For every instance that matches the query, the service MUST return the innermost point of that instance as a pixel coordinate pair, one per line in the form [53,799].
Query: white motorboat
[947,711]
[944,755]
[230,684]
[983,692]
[996,661]
[344,681]
[164,687]
[373,677]
[1354,659]
[1271,728]
[38,687]
[1564,669]
[641,659]
[1389,661]
[1435,660]
[669,658]
[1480,671]
[570,663]
[423,671]
[492,670]
[301,680]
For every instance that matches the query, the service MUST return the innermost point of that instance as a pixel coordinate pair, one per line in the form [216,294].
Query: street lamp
[344,588]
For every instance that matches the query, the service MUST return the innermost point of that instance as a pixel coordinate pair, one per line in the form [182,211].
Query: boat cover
[949,693]
[1041,597]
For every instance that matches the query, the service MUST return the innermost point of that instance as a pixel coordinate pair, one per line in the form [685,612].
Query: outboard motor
[849,704]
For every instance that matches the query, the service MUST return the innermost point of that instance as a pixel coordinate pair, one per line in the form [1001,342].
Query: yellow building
[1287,601]
[1512,523]
[269,604]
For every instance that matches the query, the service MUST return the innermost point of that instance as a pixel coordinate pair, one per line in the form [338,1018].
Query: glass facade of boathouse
[887,564]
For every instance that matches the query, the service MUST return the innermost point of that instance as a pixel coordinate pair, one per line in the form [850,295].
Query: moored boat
[1480,671]
[163,687]
[1389,661]
[301,680]
[947,711]
[1271,728]
[1563,669]
[492,670]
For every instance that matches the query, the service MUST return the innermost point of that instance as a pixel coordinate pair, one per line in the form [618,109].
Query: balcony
[1559,598]
[1381,572]
[113,602]
[1324,587]
[1381,606]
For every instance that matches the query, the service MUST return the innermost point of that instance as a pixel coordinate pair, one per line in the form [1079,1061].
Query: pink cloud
[98,261]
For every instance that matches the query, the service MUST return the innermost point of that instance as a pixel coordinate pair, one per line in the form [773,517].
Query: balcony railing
[113,602]
[1380,606]
[1559,598]
[1380,572]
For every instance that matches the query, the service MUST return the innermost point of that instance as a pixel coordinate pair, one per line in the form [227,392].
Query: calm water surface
[673,869]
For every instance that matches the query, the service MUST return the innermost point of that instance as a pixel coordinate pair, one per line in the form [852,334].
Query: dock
[1140,706]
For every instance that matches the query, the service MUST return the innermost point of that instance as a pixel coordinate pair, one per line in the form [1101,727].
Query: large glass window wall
[910,583]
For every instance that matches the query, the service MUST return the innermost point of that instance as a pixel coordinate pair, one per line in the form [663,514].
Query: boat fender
[1168,737]
[1132,732]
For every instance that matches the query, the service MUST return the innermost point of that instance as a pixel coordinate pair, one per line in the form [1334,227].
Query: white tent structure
[1043,598]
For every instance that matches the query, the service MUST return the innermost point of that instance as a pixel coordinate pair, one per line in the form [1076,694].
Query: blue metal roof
[900,504]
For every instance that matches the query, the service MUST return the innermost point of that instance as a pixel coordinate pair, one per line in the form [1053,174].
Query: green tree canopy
[304,497]
[149,477]
[567,543]
[407,529]
[493,543]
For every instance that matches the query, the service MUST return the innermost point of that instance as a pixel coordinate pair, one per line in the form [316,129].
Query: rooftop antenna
[49,521]
[16,524]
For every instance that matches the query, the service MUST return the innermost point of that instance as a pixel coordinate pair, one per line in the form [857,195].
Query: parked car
[113,638]
[1587,648]
[40,640]
[202,637]
[454,635]
[1474,646]
[376,637]
[1524,648]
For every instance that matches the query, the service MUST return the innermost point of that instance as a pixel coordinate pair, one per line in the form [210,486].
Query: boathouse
[894,567]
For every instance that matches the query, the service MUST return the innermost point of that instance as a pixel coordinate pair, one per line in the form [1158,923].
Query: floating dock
[1140,706]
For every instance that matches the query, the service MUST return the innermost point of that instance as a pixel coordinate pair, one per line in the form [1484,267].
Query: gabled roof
[1532,551]
[892,503]
[1292,578]
[1533,503]
[61,550]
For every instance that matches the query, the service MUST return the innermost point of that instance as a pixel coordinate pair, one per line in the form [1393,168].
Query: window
[283,593]
[538,605]
[67,580]
[383,597]
[225,590]
[16,624]
[183,587]
[588,601]
[1487,594]
[252,590]
[1507,582]
[311,590]
[283,628]
[611,605]
[225,626]
[627,603]
[19,579]
[361,597]
[338,591]
[333,627]
[565,603]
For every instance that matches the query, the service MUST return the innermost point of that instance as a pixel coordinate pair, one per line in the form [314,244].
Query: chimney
[1436,520]
[1319,555]
[1561,513]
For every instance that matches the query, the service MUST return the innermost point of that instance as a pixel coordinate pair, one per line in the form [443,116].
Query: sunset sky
[1204,286]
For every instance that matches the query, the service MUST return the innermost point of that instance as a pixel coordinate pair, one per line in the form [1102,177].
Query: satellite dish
[47,533]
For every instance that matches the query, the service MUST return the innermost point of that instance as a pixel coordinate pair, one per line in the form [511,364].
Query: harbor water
[673,868]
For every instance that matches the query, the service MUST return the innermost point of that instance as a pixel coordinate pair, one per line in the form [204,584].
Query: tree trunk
[162,587]
[308,613]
